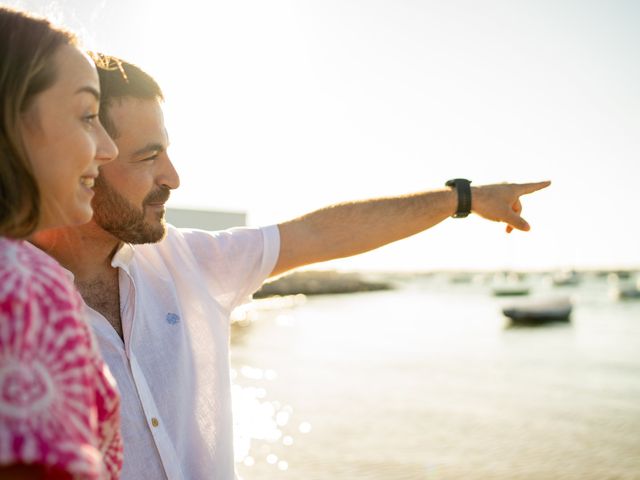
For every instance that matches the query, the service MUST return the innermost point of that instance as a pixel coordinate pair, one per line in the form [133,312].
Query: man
[160,297]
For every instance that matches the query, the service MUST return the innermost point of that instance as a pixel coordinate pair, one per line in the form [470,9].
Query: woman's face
[65,141]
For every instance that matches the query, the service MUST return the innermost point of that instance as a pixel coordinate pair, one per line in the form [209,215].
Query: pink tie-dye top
[59,407]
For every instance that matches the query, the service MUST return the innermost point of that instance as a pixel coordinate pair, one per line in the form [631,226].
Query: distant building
[205,219]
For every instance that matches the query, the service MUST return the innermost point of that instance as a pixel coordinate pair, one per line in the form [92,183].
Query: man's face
[131,191]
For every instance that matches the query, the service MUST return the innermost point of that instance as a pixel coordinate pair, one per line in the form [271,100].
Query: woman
[59,410]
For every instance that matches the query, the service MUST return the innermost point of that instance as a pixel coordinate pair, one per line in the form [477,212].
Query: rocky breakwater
[320,283]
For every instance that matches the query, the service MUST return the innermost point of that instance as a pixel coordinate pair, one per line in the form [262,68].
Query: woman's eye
[91,118]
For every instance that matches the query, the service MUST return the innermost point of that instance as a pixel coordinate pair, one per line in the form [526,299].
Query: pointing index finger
[526,188]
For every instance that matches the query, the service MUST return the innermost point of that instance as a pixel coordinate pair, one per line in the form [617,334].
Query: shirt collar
[123,256]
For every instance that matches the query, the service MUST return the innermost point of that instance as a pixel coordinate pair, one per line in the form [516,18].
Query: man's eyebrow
[150,147]
[90,90]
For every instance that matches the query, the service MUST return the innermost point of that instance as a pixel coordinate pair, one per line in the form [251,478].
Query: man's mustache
[159,196]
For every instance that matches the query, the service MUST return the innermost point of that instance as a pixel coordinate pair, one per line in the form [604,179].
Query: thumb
[516,221]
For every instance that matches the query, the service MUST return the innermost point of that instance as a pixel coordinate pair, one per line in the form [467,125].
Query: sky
[277,108]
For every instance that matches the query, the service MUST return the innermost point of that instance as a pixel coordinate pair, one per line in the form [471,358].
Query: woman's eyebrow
[90,90]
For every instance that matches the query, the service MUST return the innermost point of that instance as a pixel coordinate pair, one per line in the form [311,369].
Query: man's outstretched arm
[347,229]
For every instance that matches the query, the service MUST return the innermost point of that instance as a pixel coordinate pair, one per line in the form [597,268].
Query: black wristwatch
[463,187]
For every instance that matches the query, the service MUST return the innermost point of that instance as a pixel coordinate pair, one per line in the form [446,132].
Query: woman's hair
[27,48]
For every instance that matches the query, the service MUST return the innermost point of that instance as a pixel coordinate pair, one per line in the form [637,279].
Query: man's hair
[120,80]
[27,48]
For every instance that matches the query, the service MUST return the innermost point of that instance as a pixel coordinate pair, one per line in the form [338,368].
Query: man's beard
[115,214]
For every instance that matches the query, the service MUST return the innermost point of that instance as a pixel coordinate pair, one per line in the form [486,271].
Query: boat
[565,278]
[625,292]
[460,277]
[624,288]
[509,285]
[539,311]
[510,290]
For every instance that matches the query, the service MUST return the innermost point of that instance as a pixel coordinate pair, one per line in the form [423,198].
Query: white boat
[460,277]
[509,284]
[624,288]
[539,311]
[511,291]
[625,292]
[565,278]
[514,290]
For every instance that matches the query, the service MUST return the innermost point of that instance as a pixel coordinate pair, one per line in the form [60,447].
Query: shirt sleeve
[235,262]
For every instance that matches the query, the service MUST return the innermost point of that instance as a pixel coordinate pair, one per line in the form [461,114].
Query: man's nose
[169,176]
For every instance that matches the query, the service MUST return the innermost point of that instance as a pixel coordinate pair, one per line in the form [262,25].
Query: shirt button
[155,422]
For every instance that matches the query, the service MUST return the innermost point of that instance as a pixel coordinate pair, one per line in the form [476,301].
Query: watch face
[455,181]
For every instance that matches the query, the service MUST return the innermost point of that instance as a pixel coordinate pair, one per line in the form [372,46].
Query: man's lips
[155,205]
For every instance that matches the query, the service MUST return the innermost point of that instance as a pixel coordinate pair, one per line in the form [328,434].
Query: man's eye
[91,118]
[151,157]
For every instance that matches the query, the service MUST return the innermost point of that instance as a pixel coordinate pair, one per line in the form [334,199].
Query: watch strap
[463,187]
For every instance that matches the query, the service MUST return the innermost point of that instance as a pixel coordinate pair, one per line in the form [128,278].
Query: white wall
[205,219]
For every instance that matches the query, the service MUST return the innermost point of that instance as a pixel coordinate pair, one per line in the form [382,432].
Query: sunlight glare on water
[260,420]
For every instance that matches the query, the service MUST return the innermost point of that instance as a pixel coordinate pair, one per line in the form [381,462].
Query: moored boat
[539,311]
[510,290]
[509,284]
[565,278]
[625,292]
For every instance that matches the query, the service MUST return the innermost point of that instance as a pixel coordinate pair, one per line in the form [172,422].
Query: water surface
[429,382]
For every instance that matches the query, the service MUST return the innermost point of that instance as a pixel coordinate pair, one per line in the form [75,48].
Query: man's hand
[501,202]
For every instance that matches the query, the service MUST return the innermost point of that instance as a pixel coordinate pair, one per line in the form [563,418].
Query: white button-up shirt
[173,368]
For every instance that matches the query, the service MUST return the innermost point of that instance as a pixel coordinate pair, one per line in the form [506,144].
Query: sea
[429,380]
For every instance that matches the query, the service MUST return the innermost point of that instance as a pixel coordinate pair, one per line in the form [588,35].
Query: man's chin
[140,233]
[155,231]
